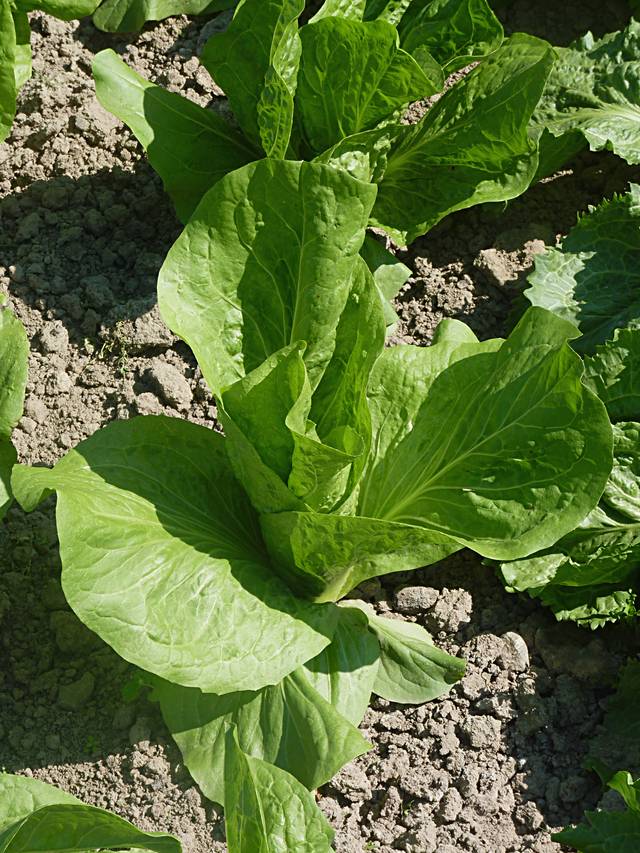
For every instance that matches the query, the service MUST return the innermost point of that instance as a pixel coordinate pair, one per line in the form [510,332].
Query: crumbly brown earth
[84,226]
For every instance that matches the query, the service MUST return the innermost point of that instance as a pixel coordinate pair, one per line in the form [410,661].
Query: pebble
[170,384]
[54,337]
[415,599]
[74,696]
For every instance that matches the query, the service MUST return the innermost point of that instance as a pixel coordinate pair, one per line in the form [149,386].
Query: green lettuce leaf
[123,16]
[389,275]
[22,67]
[162,558]
[411,670]
[589,575]
[471,147]
[290,725]
[594,89]
[65,10]
[14,352]
[611,373]
[38,818]
[8,87]
[296,225]
[617,742]
[190,147]
[506,449]
[256,62]
[604,832]
[353,76]
[575,280]
[268,810]
[348,9]
[455,32]
[386,10]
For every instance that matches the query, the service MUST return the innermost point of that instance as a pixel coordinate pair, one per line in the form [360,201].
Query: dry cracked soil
[496,765]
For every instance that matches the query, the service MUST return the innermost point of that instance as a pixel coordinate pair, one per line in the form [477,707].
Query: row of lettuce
[341,459]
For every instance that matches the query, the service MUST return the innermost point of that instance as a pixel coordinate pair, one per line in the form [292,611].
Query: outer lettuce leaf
[345,672]
[575,279]
[162,558]
[604,832]
[594,88]
[256,62]
[412,670]
[352,77]
[296,225]
[455,32]
[506,451]
[471,147]
[289,725]
[122,16]
[611,374]
[268,810]
[8,88]
[590,574]
[22,67]
[65,10]
[191,148]
[38,818]
[618,741]
[14,351]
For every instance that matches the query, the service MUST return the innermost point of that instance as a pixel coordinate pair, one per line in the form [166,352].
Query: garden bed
[495,766]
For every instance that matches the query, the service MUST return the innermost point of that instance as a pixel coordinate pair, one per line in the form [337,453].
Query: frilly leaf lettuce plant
[15,48]
[335,89]
[38,818]
[14,350]
[215,563]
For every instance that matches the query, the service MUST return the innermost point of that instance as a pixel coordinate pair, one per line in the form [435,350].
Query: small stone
[148,404]
[497,265]
[352,782]
[516,655]
[170,384]
[140,731]
[28,425]
[35,409]
[74,696]
[71,635]
[98,291]
[452,610]
[415,599]
[54,337]
[124,718]
[481,731]
[450,806]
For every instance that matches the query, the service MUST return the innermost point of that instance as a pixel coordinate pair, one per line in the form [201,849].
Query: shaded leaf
[14,351]
[612,374]
[122,16]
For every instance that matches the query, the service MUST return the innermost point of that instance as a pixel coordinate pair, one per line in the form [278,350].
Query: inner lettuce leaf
[471,147]
[353,76]
[594,91]
[38,818]
[455,32]
[575,279]
[256,62]
[265,261]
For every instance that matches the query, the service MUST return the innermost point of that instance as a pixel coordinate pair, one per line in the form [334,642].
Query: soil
[495,766]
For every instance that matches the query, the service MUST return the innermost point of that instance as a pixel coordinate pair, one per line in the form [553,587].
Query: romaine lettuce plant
[215,563]
[38,818]
[14,350]
[335,90]
[593,278]
[592,97]
[15,48]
